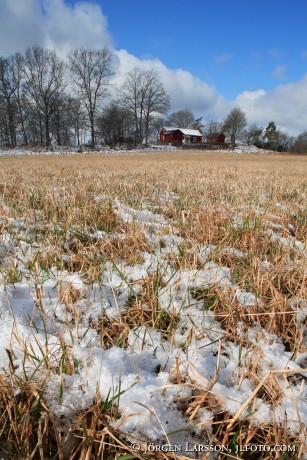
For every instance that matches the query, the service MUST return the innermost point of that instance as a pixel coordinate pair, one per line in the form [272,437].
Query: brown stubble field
[249,211]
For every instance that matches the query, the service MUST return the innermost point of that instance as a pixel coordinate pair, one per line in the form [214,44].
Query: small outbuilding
[181,135]
[216,138]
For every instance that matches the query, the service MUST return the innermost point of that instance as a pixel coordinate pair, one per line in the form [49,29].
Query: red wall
[175,136]
[172,137]
[216,140]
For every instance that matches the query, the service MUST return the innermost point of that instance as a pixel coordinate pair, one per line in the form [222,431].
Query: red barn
[182,135]
[216,138]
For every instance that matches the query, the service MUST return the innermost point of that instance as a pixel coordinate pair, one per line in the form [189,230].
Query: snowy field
[153,306]
[61,150]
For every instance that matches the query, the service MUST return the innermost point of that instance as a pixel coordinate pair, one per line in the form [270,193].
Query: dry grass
[247,203]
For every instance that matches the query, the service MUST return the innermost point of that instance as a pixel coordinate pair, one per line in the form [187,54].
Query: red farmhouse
[182,135]
[216,138]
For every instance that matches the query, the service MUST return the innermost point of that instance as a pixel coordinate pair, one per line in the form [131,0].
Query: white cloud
[53,24]
[185,90]
[20,25]
[286,106]
[69,27]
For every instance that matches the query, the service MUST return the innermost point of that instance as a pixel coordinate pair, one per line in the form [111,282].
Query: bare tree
[300,143]
[8,93]
[156,100]
[131,97]
[234,125]
[18,73]
[91,71]
[44,84]
[144,96]
[116,124]
[69,121]
[156,126]
[4,129]
[182,119]
[77,118]
[212,124]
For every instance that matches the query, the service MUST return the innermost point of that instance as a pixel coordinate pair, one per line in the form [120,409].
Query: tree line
[44,99]
[271,137]
[236,128]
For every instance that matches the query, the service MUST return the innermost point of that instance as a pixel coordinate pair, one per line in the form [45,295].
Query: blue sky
[235,45]
[212,55]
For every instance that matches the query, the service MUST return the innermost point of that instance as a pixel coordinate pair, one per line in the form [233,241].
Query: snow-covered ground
[58,150]
[154,374]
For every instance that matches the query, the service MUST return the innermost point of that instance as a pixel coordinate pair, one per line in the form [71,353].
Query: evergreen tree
[271,136]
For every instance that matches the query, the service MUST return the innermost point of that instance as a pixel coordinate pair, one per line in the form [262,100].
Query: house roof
[186,132]
[170,128]
[190,132]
